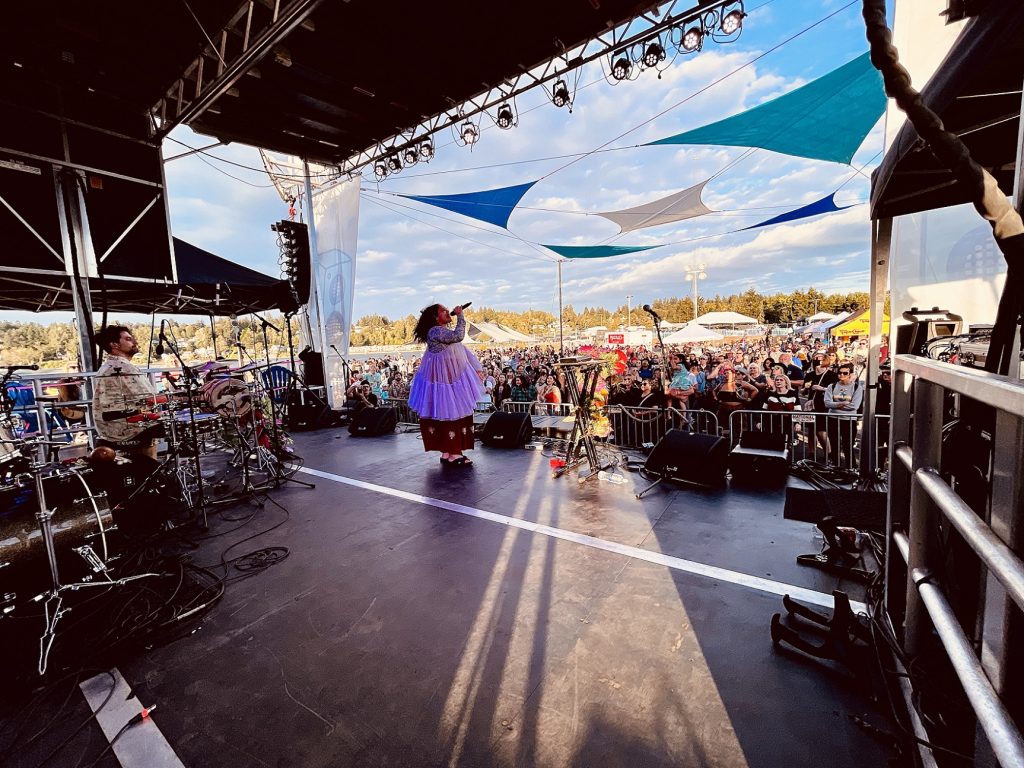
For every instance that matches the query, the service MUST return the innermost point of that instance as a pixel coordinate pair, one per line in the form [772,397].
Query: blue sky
[411,256]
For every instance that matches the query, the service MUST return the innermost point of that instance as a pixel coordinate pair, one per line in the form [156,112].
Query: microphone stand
[191,386]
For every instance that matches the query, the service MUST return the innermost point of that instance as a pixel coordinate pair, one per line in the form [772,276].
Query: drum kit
[55,523]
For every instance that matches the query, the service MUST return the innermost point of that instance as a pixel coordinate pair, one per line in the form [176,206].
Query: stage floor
[497,616]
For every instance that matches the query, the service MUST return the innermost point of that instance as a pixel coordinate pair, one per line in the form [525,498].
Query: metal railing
[641,428]
[979,646]
[823,438]
[407,417]
[538,409]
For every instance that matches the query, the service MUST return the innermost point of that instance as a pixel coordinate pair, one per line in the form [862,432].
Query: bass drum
[12,462]
[229,398]
[81,518]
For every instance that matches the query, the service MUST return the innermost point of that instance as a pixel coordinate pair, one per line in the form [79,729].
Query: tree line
[774,309]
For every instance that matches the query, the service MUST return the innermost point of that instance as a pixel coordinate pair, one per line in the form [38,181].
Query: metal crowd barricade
[982,648]
[822,438]
[407,417]
[535,408]
[49,415]
[641,428]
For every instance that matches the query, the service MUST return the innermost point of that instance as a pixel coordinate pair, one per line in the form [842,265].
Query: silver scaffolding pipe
[994,720]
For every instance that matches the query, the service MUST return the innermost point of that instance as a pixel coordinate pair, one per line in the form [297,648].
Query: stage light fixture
[693,39]
[505,119]
[410,156]
[470,133]
[732,21]
[560,94]
[654,54]
[380,170]
[621,67]
[427,149]
[394,164]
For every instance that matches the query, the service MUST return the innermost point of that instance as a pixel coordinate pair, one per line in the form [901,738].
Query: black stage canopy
[323,79]
[207,284]
[977,93]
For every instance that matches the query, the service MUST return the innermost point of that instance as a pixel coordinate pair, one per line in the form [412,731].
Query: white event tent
[693,332]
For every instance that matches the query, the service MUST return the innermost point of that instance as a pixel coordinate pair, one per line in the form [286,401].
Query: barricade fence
[407,417]
[538,409]
[823,438]
[641,428]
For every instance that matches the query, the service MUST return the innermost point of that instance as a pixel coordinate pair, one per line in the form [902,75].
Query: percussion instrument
[207,424]
[228,397]
[81,518]
[12,461]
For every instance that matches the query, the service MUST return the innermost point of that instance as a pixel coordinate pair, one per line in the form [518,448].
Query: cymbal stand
[53,598]
[191,388]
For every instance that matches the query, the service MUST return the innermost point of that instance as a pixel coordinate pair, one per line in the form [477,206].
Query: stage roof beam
[255,44]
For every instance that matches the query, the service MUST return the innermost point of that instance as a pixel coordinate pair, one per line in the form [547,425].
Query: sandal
[461,461]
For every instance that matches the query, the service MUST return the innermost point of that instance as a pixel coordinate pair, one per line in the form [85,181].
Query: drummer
[123,397]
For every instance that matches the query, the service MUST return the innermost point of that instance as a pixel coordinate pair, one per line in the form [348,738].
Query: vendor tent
[859,324]
[817,318]
[480,332]
[731,319]
[693,332]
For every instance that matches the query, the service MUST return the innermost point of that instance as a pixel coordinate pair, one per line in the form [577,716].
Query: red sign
[616,338]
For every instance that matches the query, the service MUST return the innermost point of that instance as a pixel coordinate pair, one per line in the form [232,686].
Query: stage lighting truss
[651,40]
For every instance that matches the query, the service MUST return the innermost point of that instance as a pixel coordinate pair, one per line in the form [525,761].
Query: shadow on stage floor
[494,615]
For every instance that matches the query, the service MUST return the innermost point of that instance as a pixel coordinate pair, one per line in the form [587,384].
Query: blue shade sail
[491,205]
[596,251]
[827,204]
[826,119]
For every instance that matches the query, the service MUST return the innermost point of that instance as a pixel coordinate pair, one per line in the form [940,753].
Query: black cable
[83,724]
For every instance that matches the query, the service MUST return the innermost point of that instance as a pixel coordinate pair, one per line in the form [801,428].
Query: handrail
[989,388]
[995,721]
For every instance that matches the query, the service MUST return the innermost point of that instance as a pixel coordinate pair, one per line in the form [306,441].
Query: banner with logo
[336,225]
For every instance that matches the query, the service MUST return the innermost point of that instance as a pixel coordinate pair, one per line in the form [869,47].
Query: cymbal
[249,368]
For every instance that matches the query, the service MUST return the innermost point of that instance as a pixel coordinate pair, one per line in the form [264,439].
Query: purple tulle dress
[446,386]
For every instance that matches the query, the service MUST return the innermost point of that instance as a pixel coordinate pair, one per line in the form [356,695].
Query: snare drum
[229,398]
[207,424]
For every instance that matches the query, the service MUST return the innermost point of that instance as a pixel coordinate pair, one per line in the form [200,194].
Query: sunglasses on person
[845,373]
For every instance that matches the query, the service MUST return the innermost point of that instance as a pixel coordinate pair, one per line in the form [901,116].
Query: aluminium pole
[561,346]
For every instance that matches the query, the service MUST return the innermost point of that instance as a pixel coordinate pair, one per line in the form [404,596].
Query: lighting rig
[650,41]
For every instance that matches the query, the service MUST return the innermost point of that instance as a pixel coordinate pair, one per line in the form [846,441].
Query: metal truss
[240,45]
[665,25]
[661,24]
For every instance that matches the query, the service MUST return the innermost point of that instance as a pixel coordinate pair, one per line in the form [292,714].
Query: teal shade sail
[491,205]
[827,204]
[826,119]
[596,251]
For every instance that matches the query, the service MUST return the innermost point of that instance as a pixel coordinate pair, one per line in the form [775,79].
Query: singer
[446,387]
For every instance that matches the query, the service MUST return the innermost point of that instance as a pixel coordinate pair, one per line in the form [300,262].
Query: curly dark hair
[428,319]
[110,334]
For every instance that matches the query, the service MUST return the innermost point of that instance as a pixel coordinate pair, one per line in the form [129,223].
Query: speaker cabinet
[507,430]
[760,457]
[694,458]
[307,411]
[371,422]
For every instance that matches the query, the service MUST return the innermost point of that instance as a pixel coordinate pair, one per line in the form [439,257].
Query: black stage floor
[518,620]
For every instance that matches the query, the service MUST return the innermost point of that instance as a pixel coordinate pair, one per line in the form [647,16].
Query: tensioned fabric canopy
[675,207]
[826,119]
[207,284]
[859,324]
[493,206]
[596,251]
[826,204]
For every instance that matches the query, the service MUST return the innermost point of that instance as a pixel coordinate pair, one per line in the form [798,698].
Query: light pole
[694,274]
[629,310]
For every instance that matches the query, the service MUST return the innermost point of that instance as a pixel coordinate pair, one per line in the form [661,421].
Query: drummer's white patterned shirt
[119,388]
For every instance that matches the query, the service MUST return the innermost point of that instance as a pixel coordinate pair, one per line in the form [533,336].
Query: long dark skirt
[447,436]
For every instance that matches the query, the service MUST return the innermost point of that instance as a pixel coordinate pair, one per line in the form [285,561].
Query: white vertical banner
[336,222]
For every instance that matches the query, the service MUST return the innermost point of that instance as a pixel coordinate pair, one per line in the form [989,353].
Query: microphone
[649,310]
[464,306]
[160,341]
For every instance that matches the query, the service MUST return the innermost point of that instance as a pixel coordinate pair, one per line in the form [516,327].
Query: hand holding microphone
[458,309]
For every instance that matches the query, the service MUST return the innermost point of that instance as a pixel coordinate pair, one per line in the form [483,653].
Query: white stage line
[142,745]
[676,563]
